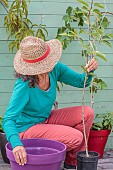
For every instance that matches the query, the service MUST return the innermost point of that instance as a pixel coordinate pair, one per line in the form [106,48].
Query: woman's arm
[71,77]
[19,98]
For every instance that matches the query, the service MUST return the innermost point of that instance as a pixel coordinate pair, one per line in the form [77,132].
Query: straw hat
[35,56]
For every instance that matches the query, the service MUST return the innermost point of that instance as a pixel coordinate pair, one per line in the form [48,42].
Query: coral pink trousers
[64,125]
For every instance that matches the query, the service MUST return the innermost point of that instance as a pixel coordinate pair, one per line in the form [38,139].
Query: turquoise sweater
[29,106]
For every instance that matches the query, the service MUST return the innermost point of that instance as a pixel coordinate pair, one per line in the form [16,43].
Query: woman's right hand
[20,155]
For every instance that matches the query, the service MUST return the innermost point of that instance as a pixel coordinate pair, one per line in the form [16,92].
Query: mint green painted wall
[52,12]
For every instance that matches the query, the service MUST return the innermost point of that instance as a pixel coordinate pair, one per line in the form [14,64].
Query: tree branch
[89,19]
[83,121]
[107,13]
[4,7]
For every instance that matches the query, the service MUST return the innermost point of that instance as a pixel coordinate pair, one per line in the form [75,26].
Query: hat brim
[46,65]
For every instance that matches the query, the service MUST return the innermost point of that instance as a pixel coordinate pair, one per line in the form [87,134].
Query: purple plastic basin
[42,154]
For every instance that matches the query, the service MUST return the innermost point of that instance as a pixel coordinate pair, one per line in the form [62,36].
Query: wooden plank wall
[51,12]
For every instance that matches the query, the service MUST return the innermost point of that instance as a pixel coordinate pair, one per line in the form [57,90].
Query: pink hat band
[38,59]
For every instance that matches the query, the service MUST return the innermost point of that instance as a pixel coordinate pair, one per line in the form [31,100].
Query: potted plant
[3,142]
[86,21]
[99,133]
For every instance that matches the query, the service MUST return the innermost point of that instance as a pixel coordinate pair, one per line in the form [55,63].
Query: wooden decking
[4,166]
[106,163]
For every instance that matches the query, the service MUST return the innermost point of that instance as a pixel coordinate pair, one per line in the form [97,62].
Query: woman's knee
[75,140]
[79,138]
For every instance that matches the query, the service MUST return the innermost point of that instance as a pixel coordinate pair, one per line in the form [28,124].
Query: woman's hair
[32,79]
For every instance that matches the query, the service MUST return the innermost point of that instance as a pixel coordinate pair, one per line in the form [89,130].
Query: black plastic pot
[87,163]
[3,142]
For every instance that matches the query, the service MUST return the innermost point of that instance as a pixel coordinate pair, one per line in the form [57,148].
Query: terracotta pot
[97,141]
[3,142]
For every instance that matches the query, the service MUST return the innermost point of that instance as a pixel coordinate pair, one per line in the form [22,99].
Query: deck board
[105,163]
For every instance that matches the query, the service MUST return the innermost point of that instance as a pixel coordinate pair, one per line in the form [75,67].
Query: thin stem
[83,121]
[42,17]
[92,96]
[85,57]
[107,13]
[89,37]
[89,19]
[4,7]
[104,12]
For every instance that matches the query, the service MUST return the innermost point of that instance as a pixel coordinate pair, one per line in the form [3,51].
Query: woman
[29,113]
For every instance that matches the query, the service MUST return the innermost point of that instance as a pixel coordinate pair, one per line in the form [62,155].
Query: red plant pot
[97,141]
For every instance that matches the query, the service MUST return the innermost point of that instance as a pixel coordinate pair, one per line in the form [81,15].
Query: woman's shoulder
[19,83]
[59,69]
[60,65]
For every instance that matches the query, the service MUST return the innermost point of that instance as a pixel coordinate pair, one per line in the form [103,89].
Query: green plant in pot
[86,21]
[1,130]
[3,142]
[100,131]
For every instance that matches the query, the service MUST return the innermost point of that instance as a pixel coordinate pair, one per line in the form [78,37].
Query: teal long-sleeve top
[30,106]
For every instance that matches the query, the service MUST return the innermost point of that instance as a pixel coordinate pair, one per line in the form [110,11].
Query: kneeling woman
[29,113]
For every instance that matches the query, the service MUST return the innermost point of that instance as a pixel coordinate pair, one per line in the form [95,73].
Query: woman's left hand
[92,65]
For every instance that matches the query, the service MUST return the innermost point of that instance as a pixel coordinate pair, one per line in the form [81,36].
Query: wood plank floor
[106,163]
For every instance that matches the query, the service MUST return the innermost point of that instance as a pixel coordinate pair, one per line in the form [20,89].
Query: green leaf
[92,74]
[63,34]
[40,34]
[81,22]
[34,25]
[105,22]
[83,2]
[99,124]
[110,35]
[95,34]
[97,11]
[85,8]
[103,86]
[5,2]
[82,32]
[107,43]
[74,32]
[69,10]
[60,31]
[67,18]
[45,30]
[101,55]
[105,119]
[106,122]
[98,5]
[105,37]
[68,26]
[84,68]
[95,127]
[28,21]
[11,46]
[30,32]
[100,84]
[58,88]
[100,31]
